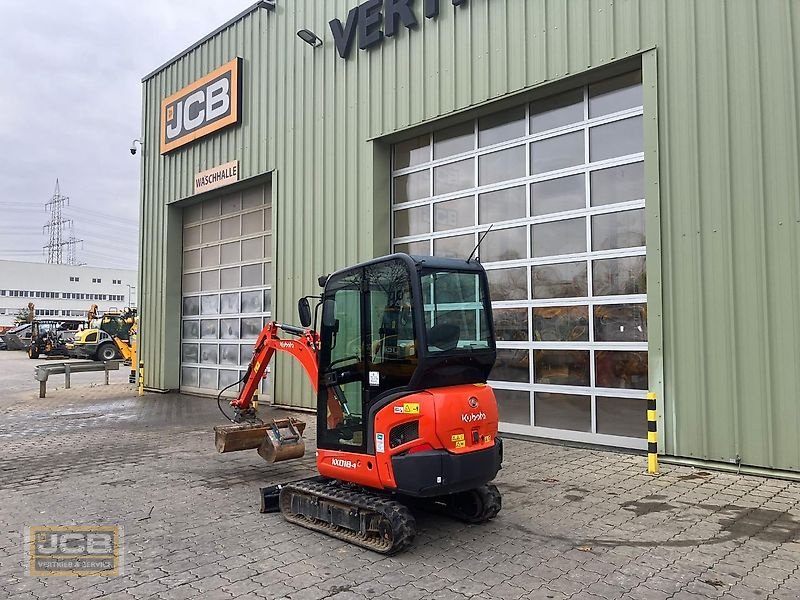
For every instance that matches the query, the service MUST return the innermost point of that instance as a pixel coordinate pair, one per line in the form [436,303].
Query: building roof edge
[266,4]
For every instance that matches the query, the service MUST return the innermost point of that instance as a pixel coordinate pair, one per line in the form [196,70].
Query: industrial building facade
[633,166]
[62,291]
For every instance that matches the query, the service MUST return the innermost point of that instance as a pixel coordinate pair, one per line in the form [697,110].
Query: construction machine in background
[18,338]
[50,337]
[107,337]
[404,414]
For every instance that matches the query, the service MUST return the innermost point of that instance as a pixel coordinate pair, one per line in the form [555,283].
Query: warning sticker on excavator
[380,445]
[411,408]
[461,444]
[459,437]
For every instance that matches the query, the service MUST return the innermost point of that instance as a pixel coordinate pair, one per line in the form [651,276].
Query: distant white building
[62,290]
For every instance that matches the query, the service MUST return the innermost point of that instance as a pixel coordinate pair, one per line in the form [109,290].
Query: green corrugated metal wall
[726,77]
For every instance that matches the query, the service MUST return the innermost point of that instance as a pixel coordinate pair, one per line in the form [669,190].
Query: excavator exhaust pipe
[279,440]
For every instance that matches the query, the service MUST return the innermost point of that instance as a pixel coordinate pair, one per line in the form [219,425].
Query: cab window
[392,347]
[456,311]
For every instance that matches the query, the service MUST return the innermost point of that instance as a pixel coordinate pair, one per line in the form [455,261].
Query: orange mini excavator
[404,414]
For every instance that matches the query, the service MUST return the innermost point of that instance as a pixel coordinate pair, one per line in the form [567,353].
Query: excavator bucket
[281,439]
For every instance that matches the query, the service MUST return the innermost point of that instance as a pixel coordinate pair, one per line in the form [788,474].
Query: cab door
[391,351]
[340,399]
[368,349]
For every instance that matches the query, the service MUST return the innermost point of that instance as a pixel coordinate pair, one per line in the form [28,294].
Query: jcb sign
[202,107]
[74,550]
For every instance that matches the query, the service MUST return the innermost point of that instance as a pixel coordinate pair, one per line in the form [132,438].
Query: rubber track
[487,497]
[394,515]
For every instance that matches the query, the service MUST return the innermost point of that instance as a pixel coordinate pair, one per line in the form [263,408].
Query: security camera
[133,146]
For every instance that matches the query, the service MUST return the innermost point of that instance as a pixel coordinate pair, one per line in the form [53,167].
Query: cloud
[72,109]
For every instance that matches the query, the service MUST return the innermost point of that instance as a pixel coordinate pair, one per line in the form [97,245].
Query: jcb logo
[74,543]
[202,107]
[78,550]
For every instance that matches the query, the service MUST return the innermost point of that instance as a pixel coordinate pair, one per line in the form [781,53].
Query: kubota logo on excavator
[341,462]
[472,417]
[287,344]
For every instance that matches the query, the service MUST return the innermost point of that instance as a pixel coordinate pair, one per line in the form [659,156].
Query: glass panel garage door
[227,292]
[561,183]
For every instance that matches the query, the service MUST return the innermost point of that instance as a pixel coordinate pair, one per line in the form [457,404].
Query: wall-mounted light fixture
[309,37]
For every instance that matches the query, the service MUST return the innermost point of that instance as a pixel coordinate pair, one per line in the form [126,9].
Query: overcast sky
[70,104]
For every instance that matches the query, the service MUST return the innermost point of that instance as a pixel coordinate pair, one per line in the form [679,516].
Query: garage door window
[561,182]
[227,292]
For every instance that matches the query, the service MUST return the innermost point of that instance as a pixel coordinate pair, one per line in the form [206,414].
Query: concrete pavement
[576,523]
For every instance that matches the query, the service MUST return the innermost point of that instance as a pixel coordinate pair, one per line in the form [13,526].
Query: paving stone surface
[576,523]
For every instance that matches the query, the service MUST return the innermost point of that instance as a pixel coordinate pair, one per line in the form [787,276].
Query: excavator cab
[395,326]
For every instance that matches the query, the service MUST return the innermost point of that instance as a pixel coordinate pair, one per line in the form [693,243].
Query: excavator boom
[305,349]
[280,439]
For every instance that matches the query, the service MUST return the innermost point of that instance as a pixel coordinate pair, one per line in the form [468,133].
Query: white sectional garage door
[561,183]
[227,292]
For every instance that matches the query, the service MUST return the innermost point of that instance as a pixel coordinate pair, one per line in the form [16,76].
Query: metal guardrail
[42,372]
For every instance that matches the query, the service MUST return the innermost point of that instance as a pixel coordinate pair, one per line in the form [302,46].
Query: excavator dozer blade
[251,436]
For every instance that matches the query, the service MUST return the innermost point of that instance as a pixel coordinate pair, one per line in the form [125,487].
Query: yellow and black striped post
[134,355]
[141,378]
[652,435]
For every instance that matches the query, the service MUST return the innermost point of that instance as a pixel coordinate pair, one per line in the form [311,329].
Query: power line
[105,255]
[32,229]
[99,242]
[78,219]
[111,236]
[103,214]
[105,222]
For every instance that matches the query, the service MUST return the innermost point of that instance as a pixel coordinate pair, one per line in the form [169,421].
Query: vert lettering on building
[367,18]
[202,107]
